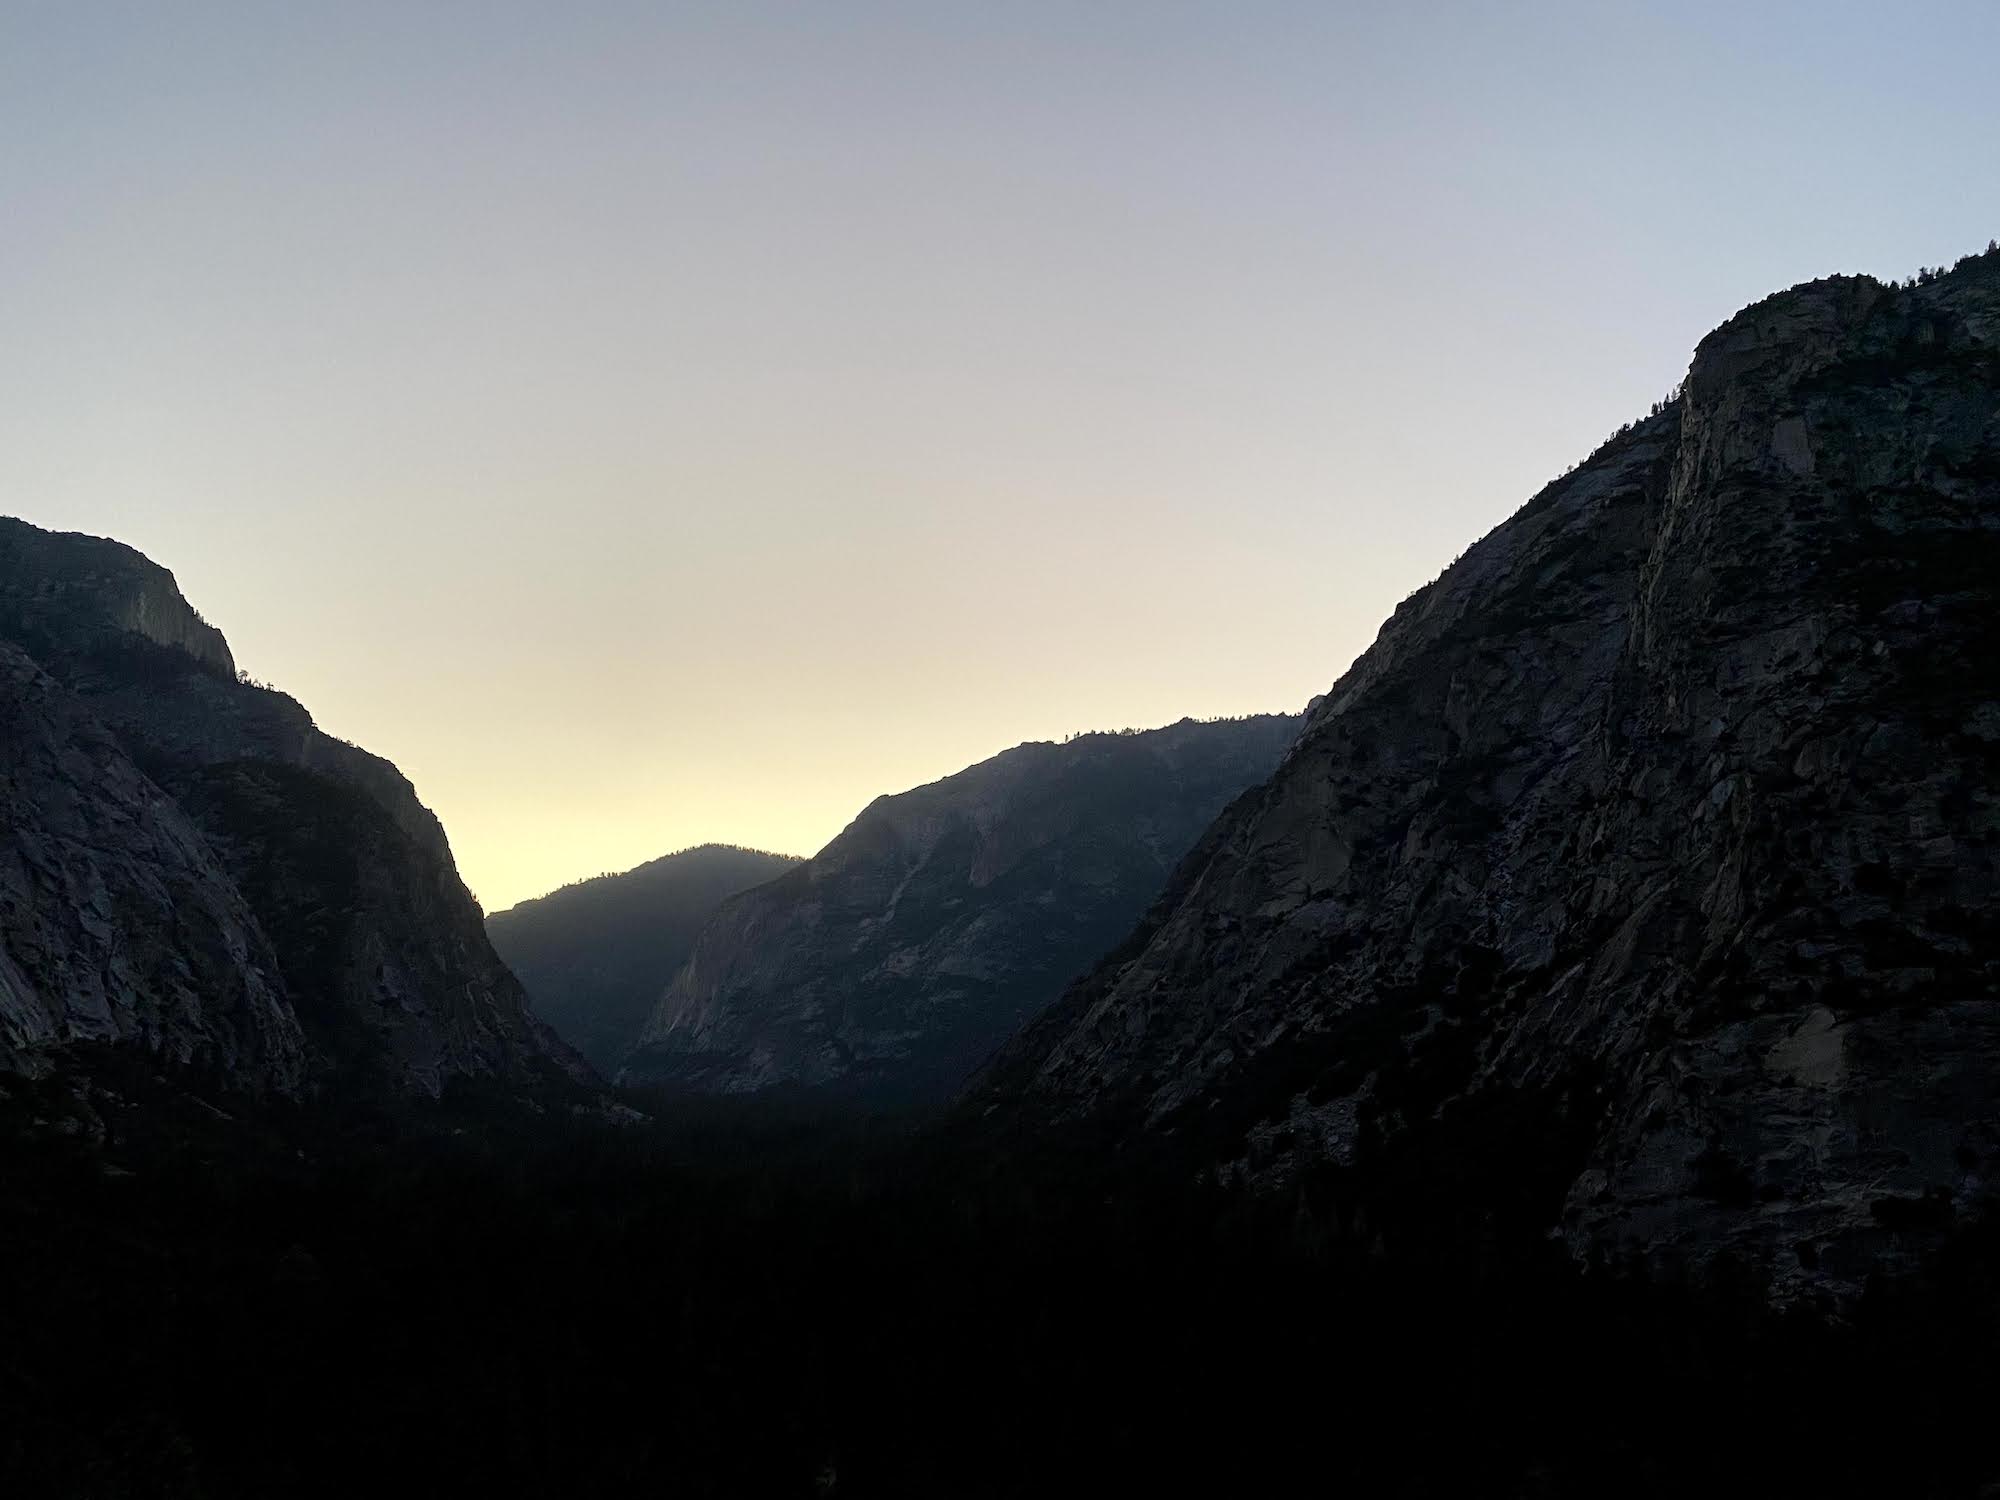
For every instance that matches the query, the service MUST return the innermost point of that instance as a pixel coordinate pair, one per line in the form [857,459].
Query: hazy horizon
[653,425]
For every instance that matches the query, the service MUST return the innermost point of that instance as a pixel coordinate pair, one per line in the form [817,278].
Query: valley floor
[719,1304]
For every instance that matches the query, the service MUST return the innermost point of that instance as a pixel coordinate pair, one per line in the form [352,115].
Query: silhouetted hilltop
[596,954]
[891,964]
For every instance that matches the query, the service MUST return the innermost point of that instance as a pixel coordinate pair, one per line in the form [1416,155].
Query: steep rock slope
[596,955]
[380,952]
[891,964]
[1668,808]
[117,923]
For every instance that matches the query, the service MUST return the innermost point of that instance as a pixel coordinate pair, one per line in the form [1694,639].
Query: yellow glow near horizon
[652,425]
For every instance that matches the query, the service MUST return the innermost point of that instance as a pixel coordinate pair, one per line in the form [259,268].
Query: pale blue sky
[655,423]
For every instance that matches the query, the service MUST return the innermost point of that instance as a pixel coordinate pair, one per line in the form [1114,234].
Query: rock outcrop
[61,589]
[1669,806]
[889,966]
[596,955]
[205,874]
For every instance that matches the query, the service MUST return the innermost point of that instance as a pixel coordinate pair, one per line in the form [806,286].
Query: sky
[651,424]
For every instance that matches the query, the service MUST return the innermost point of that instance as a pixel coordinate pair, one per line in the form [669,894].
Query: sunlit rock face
[891,965]
[1669,809]
[193,868]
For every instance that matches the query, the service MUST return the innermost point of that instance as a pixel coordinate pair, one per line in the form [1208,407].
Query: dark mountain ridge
[891,964]
[596,954]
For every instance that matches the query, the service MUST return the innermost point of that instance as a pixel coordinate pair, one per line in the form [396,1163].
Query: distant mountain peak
[889,965]
[596,953]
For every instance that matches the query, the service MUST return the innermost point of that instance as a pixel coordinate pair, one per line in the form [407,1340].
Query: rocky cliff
[1665,817]
[118,923]
[195,868]
[890,965]
[596,955]
[62,589]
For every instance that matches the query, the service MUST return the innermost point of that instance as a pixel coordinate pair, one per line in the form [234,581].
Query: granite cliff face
[63,589]
[596,955]
[195,868]
[117,922]
[891,964]
[1668,809]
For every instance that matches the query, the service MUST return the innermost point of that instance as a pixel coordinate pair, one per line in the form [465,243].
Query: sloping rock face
[596,955]
[117,922]
[890,965]
[1670,805]
[343,908]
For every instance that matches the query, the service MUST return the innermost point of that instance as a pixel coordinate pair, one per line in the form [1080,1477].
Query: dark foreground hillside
[733,1305]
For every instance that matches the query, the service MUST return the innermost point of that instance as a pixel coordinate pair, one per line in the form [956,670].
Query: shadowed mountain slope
[118,922]
[596,955]
[890,965]
[250,877]
[1646,867]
